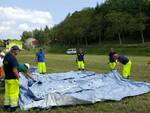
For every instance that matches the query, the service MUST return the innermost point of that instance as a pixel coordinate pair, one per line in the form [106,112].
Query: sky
[17,16]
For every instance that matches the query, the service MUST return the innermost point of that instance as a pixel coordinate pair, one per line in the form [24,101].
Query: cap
[15,47]
[27,65]
[113,53]
[2,54]
[41,49]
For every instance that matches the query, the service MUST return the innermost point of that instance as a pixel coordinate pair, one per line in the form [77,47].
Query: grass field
[97,63]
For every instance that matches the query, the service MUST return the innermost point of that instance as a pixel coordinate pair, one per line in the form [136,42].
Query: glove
[34,81]
[39,82]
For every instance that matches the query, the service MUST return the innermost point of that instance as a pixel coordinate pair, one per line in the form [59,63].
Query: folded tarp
[76,87]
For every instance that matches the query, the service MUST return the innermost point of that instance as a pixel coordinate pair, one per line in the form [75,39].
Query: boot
[6,107]
[13,109]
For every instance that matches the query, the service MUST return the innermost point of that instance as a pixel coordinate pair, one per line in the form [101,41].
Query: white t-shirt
[1,61]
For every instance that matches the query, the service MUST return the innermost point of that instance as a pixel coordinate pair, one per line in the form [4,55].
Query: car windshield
[71,50]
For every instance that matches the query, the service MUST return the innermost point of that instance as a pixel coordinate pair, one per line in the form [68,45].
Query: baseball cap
[15,47]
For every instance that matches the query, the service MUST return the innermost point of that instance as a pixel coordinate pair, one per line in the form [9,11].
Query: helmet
[27,65]
[2,54]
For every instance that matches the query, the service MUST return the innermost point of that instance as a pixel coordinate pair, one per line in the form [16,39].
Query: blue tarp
[76,87]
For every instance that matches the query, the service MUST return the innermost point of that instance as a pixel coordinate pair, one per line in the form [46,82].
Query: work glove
[38,82]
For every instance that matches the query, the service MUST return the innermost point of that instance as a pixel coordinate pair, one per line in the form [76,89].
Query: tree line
[114,21]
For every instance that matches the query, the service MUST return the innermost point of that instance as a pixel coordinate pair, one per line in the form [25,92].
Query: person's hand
[36,61]
[39,82]
[18,77]
[147,65]
[34,80]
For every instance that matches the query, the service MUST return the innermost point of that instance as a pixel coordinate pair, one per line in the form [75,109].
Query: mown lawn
[97,63]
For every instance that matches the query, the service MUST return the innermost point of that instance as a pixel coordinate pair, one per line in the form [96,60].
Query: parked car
[71,51]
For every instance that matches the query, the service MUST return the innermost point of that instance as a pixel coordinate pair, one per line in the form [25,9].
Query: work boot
[13,109]
[6,107]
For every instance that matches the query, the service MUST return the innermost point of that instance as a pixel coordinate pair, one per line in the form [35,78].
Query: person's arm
[44,55]
[83,58]
[77,58]
[148,63]
[15,71]
[28,74]
[1,62]
[36,58]
[14,64]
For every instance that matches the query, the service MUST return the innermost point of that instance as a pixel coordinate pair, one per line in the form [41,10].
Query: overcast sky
[17,16]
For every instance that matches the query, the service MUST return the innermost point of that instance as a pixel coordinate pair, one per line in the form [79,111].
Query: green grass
[97,63]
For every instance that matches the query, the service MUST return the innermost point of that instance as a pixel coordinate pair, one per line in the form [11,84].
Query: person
[10,65]
[126,71]
[2,55]
[112,63]
[24,68]
[40,59]
[80,60]
[148,63]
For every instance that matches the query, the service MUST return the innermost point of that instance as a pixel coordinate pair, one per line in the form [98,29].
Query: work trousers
[11,93]
[41,67]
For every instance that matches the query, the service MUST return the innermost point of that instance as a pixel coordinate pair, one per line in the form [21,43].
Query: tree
[25,35]
[46,35]
[118,23]
[121,18]
[97,24]
[38,34]
[140,25]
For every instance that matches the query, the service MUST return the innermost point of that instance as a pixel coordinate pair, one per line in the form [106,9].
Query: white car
[71,51]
